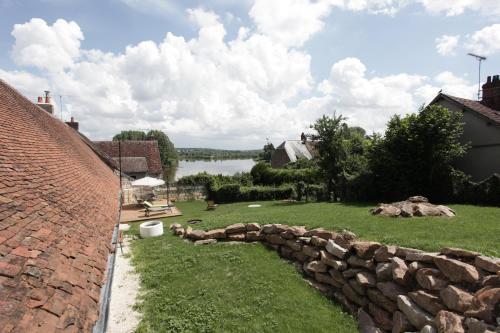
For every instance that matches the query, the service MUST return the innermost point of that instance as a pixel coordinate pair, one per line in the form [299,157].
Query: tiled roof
[58,206]
[132,164]
[147,149]
[472,105]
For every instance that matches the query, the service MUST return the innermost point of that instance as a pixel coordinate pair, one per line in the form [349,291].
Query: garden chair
[150,208]
[211,205]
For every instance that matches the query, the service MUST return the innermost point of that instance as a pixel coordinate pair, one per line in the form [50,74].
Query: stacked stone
[388,288]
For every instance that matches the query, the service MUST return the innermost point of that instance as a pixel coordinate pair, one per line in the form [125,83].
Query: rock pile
[413,206]
[388,288]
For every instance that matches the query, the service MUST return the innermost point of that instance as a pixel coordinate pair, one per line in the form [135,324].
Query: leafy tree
[168,154]
[416,154]
[267,152]
[130,136]
[329,143]
[342,152]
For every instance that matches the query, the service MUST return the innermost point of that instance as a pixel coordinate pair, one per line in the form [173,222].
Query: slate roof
[132,164]
[58,206]
[291,151]
[472,105]
[147,149]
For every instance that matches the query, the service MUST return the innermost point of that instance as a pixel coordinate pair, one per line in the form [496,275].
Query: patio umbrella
[148,182]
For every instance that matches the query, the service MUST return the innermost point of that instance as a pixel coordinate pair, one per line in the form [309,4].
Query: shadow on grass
[292,203]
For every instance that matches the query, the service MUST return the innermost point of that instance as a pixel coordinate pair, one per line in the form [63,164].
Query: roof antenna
[479,59]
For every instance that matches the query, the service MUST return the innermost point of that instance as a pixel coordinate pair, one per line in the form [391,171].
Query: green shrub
[486,192]
[263,174]
[316,192]
[234,192]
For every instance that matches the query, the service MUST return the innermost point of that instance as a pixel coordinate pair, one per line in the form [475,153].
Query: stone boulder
[456,298]
[449,322]
[485,305]
[413,206]
[236,228]
[416,316]
[456,270]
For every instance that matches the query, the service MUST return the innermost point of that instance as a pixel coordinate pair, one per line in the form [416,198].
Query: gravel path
[122,317]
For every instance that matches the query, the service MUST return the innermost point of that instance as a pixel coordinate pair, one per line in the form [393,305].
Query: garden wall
[387,288]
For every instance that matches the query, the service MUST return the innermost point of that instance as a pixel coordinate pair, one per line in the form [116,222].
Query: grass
[247,288]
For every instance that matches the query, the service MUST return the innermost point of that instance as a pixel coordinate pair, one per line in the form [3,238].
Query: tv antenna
[480,59]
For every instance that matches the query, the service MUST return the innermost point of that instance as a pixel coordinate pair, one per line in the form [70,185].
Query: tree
[329,143]
[130,135]
[168,154]
[416,154]
[342,152]
[267,152]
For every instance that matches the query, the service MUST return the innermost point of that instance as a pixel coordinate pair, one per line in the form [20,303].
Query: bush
[486,192]
[234,192]
[263,174]
[316,192]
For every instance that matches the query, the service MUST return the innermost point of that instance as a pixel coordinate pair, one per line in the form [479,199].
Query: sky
[233,73]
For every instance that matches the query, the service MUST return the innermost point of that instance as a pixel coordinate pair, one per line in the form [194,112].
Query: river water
[214,167]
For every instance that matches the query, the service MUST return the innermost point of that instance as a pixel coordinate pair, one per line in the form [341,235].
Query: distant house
[481,129]
[59,205]
[139,158]
[291,151]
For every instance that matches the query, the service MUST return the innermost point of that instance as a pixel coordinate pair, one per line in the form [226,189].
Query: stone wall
[387,288]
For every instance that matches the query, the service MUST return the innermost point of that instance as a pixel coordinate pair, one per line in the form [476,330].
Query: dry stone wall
[387,288]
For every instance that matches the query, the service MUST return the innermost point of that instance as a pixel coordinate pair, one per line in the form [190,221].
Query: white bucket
[151,229]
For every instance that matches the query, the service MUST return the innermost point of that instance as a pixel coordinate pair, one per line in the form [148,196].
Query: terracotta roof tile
[476,106]
[58,206]
[147,149]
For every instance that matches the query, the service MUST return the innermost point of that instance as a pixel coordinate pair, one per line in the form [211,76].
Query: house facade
[59,205]
[481,129]
[139,158]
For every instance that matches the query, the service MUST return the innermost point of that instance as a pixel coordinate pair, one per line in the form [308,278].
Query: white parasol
[148,181]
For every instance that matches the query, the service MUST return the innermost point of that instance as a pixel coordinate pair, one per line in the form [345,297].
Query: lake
[225,167]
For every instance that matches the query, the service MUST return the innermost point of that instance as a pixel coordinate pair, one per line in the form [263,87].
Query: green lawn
[247,288]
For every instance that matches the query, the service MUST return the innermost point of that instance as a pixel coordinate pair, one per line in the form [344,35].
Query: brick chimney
[73,124]
[491,92]
[46,104]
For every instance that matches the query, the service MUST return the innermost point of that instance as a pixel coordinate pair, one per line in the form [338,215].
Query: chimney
[47,104]
[73,124]
[491,93]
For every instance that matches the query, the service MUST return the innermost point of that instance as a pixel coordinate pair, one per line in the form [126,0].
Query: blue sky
[297,60]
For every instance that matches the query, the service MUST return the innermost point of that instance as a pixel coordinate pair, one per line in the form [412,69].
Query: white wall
[480,161]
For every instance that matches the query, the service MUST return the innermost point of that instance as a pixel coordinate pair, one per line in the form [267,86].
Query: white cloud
[448,83]
[202,88]
[29,84]
[485,41]
[208,89]
[458,7]
[290,22]
[369,102]
[47,47]
[446,45]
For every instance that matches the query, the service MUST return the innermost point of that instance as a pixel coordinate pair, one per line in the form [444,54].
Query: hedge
[263,174]
[235,192]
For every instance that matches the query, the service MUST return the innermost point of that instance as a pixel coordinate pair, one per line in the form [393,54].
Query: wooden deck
[135,213]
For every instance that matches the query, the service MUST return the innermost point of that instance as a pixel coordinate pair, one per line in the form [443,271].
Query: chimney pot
[40,99]
[47,96]
[72,119]
[491,92]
